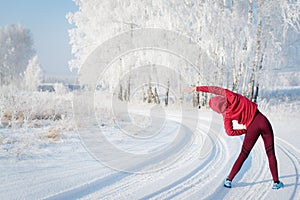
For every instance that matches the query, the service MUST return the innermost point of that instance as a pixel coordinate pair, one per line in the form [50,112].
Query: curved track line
[259,191]
[193,178]
[257,171]
[295,162]
[182,162]
[255,168]
[181,180]
[98,184]
[190,182]
[200,183]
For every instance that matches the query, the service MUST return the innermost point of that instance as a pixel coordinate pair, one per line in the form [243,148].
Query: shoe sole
[277,188]
[227,186]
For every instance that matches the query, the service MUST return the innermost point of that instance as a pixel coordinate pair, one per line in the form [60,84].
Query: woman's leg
[268,138]
[260,125]
[249,141]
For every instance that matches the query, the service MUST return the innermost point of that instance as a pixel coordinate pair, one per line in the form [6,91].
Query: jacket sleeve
[213,90]
[229,128]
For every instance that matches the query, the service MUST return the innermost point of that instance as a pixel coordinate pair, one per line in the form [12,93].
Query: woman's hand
[189,89]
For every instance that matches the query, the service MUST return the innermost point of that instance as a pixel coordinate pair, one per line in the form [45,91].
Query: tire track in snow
[199,175]
[198,186]
[259,187]
[262,189]
[98,184]
[246,176]
[57,173]
[257,171]
[169,189]
[190,183]
[291,152]
[256,179]
[288,151]
[136,184]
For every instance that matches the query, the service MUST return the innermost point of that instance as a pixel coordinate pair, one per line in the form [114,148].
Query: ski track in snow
[192,177]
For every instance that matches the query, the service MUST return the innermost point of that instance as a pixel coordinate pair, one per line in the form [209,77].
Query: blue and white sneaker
[278,185]
[227,183]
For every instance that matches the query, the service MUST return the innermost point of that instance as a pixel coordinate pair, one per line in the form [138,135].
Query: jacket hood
[218,104]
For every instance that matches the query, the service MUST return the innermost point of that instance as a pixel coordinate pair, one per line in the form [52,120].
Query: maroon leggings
[259,126]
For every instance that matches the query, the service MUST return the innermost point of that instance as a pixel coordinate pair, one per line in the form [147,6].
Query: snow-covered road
[67,171]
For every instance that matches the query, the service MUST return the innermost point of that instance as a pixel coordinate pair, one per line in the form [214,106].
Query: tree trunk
[256,94]
[167,94]
[257,81]
[234,70]
[150,95]
[120,95]
[195,99]
[156,97]
[250,12]
[128,90]
[144,95]
[255,63]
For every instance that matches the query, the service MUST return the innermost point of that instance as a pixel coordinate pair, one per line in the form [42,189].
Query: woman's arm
[229,128]
[213,90]
[189,89]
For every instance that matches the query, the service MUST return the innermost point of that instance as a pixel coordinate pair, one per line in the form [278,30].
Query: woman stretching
[234,106]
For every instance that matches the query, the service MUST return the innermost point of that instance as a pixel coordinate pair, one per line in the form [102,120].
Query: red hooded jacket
[238,108]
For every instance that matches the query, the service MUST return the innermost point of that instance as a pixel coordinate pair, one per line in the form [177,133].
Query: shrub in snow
[60,88]
[32,75]
[26,143]
[29,108]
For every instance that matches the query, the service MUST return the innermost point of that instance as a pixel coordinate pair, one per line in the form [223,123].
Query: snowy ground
[52,163]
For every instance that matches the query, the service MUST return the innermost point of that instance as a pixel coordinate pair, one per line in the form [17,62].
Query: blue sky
[49,27]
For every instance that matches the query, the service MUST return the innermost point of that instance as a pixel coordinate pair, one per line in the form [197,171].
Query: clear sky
[47,22]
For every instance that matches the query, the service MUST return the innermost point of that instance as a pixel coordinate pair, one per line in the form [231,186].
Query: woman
[234,106]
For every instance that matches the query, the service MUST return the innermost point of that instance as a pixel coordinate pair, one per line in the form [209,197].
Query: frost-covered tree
[16,48]
[33,74]
[240,39]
